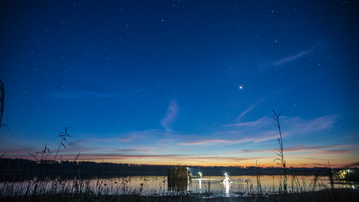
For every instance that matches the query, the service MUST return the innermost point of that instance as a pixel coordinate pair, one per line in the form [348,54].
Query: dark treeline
[24,168]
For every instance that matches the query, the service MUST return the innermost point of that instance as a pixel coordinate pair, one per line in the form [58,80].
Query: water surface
[238,184]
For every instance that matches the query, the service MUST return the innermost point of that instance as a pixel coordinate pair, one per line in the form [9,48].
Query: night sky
[182,82]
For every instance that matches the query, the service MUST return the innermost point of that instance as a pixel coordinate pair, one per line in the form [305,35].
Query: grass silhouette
[281,154]
[50,188]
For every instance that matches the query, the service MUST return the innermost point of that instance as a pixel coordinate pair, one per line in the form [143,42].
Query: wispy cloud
[212,141]
[330,149]
[131,150]
[228,141]
[126,139]
[260,122]
[248,110]
[297,124]
[292,57]
[171,115]
[148,133]
[129,138]
[300,126]
[144,137]
[245,112]
[298,55]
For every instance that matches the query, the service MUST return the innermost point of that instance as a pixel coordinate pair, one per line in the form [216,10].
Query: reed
[45,188]
[63,136]
[280,153]
[82,190]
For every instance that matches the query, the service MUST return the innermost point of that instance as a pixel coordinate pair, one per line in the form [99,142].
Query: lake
[152,185]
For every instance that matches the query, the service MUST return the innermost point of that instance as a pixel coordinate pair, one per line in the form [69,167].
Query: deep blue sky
[182,82]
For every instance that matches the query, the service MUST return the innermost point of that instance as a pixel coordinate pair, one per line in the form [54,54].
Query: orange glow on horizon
[249,163]
[217,161]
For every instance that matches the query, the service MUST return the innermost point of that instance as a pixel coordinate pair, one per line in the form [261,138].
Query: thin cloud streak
[247,110]
[135,135]
[297,125]
[292,57]
[171,115]
[296,56]
[339,149]
[131,150]
[126,139]
[225,141]
[262,121]
[304,126]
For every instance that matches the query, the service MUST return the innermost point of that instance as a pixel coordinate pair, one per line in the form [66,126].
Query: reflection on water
[178,185]
[227,186]
[227,183]
[211,184]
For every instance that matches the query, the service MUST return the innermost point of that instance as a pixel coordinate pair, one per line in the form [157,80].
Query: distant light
[353,186]
[348,171]
[241,87]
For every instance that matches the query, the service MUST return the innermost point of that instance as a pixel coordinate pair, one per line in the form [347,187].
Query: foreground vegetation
[45,188]
[81,190]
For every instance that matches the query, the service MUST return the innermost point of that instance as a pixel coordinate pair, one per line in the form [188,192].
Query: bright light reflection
[227,184]
[200,184]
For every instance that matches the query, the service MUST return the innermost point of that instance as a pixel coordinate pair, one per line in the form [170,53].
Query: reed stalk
[280,153]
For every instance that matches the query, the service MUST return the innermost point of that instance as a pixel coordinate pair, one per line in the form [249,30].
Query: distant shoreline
[27,169]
